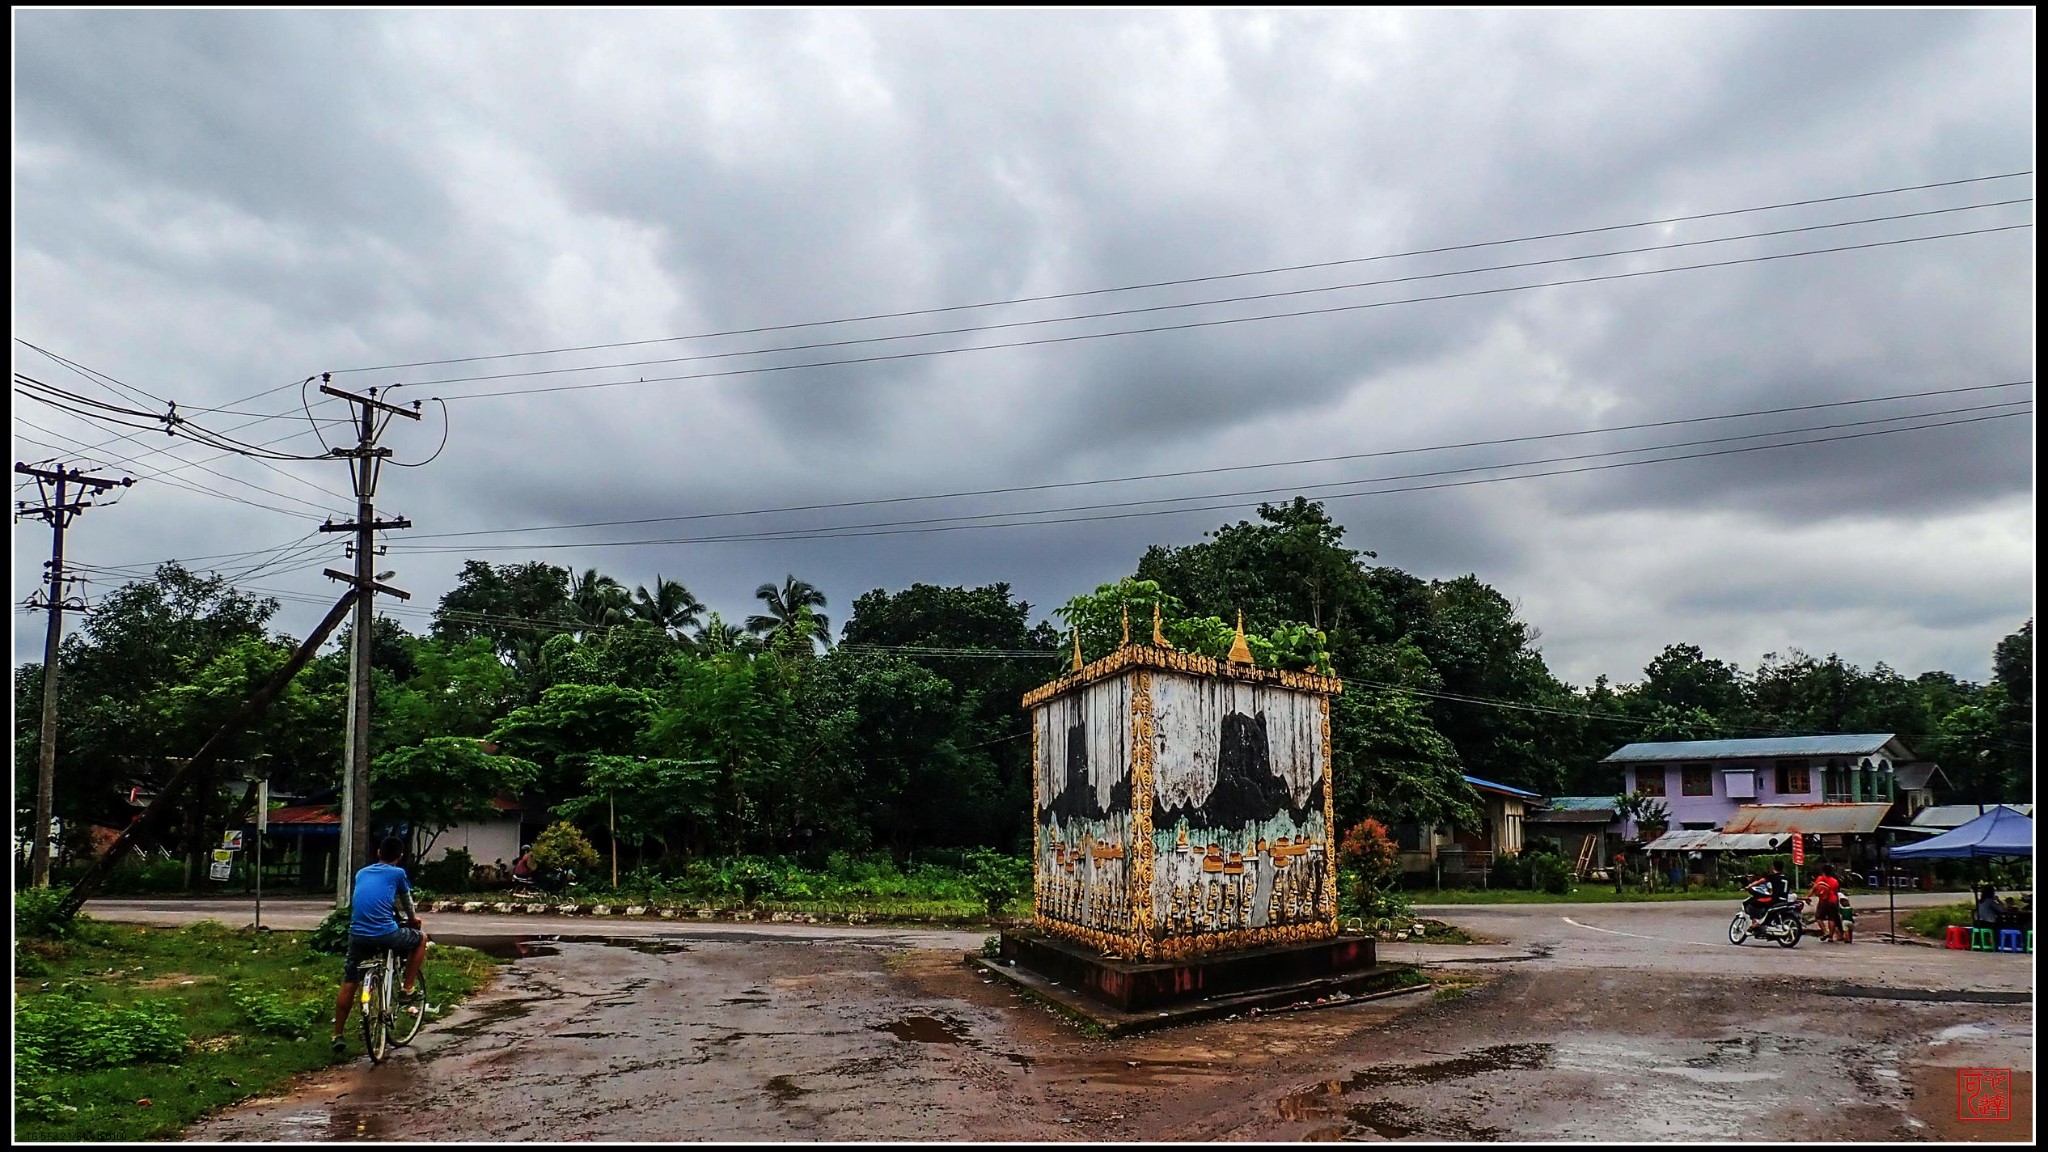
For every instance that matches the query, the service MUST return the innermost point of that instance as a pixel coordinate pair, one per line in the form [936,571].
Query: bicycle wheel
[410,1014]
[376,1019]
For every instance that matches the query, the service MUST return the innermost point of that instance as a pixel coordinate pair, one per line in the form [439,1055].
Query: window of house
[1697,780]
[1408,837]
[1792,778]
[1650,781]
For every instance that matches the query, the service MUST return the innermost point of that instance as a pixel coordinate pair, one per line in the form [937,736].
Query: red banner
[1798,848]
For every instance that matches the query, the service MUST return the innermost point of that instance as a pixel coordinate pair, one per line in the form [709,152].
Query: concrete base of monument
[1121,996]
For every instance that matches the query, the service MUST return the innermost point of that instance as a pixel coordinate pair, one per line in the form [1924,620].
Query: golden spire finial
[1127,626]
[1158,635]
[1077,648]
[1240,652]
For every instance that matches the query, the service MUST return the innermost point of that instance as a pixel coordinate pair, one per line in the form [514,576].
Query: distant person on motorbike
[1760,897]
[522,868]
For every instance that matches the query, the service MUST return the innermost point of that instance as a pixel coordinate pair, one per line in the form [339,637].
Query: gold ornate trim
[1141,814]
[1331,836]
[1146,656]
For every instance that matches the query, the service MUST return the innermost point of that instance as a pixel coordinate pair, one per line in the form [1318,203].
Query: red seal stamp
[1983,1093]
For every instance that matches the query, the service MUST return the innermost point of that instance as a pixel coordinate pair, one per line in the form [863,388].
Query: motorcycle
[1780,922]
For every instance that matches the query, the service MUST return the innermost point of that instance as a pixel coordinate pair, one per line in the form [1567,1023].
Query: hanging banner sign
[223,864]
[1798,848]
[231,840]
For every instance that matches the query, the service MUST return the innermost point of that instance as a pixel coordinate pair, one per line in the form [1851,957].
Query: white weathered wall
[1083,867]
[486,841]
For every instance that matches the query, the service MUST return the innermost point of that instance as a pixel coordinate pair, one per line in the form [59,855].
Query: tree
[715,636]
[793,611]
[598,602]
[669,607]
[511,604]
[440,782]
[671,802]
[571,722]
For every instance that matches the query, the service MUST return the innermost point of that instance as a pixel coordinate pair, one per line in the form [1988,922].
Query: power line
[212,472]
[1208,303]
[1193,279]
[891,528]
[1020,488]
[1195,324]
[163,478]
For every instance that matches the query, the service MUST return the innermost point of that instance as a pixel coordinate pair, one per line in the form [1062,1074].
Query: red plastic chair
[1958,937]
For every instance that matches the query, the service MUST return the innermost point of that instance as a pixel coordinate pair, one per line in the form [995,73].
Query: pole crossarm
[350,578]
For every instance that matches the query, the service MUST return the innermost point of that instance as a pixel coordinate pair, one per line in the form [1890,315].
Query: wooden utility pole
[369,459]
[59,513]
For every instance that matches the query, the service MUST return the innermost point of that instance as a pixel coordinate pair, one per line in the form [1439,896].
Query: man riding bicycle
[381,891]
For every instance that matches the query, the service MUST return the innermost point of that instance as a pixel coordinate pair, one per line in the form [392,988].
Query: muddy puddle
[933,1030]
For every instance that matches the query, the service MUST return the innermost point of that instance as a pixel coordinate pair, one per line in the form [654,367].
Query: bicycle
[389,1018]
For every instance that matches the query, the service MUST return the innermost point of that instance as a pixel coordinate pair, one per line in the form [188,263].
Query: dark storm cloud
[214,204]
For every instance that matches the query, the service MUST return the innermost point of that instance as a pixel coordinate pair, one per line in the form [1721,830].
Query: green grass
[1934,922]
[250,1011]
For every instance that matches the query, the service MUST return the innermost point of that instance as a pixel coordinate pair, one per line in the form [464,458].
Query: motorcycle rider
[1758,900]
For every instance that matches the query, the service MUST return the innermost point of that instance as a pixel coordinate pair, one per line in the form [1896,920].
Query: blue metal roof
[1857,745]
[1476,782]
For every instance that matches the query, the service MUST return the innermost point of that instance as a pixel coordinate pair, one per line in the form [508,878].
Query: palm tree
[598,601]
[792,610]
[715,635]
[669,607]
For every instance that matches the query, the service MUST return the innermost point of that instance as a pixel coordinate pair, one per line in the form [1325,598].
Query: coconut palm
[715,635]
[669,607]
[792,611]
[598,601]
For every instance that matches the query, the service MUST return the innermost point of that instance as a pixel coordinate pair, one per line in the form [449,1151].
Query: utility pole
[355,792]
[59,513]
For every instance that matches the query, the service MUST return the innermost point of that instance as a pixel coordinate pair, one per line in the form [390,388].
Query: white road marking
[1637,935]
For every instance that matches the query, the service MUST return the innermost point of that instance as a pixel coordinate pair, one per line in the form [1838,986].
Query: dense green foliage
[123,1032]
[635,710]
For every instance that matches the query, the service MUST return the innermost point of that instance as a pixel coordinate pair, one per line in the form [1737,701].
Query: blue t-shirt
[372,911]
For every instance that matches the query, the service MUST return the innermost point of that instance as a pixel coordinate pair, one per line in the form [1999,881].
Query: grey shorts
[363,948]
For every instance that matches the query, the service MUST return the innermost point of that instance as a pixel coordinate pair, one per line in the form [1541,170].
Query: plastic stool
[1982,940]
[1958,936]
[2009,940]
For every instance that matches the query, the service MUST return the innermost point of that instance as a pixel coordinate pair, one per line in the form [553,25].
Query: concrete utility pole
[60,514]
[355,803]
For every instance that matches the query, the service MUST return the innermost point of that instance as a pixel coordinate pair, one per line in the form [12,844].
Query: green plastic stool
[1983,940]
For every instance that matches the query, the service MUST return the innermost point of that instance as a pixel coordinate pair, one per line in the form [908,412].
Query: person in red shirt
[1827,892]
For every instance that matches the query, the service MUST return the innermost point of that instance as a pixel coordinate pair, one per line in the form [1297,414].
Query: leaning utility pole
[355,789]
[60,514]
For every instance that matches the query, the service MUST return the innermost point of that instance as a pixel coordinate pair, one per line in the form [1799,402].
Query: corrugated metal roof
[1916,775]
[1476,782]
[1857,745]
[1581,803]
[1828,819]
[1944,816]
[1570,816]
[1708,840]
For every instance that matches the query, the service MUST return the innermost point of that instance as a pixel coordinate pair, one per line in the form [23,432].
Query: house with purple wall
[1703,782]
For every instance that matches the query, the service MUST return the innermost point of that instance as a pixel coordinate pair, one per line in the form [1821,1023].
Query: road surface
[1608,1022]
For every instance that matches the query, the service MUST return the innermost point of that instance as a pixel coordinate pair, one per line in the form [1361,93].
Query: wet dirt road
[730,1035]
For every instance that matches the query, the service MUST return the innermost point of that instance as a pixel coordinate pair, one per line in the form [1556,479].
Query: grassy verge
[125,1032]
[1934,922]
[907,910]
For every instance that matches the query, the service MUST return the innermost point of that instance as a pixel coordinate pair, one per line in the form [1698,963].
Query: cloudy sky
[211,207]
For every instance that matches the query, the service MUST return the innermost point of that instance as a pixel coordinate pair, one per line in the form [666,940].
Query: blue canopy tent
[1998,832]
